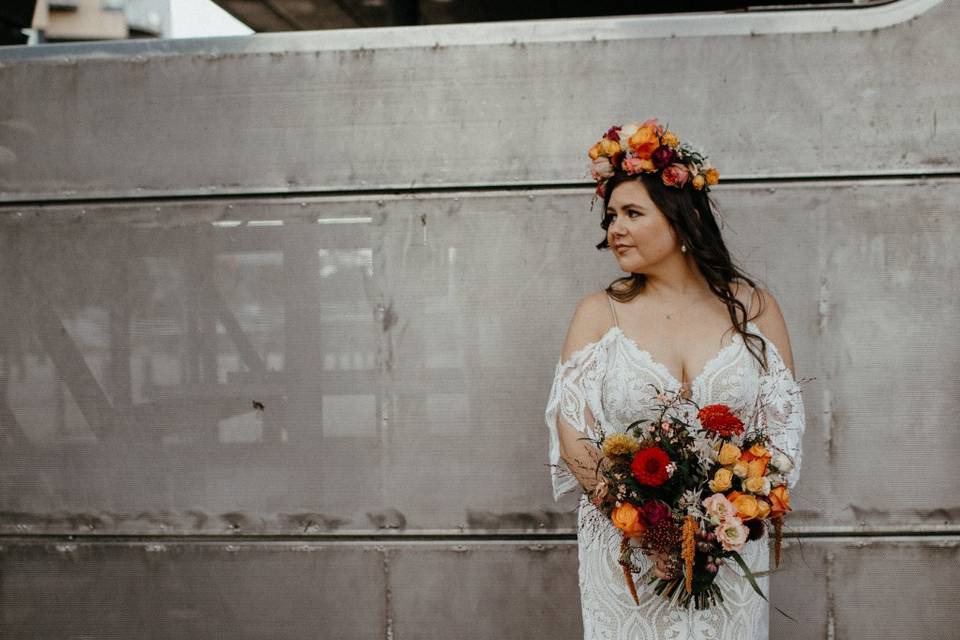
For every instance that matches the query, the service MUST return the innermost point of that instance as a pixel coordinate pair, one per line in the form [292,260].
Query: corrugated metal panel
[834,588]
[291,117]
[409,342]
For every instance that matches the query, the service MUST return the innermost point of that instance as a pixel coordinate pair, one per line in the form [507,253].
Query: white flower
[782,462]
[625,132]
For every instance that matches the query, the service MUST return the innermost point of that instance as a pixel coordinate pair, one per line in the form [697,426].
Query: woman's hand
[661,564]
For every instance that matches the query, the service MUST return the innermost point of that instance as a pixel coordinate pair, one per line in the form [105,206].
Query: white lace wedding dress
[609,380]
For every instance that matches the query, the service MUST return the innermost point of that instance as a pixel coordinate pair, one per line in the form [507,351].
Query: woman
[684,319]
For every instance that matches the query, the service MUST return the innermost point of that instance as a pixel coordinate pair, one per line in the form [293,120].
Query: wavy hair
[691,214]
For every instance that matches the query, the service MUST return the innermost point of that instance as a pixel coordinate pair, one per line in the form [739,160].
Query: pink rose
[633,165]
[675,175]
[663,156]
[654,512]
[601,168]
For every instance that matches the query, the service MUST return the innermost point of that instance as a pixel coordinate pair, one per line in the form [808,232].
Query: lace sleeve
[782,412]
[573,403]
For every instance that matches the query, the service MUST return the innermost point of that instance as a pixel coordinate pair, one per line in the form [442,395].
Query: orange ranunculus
[733,495]
[670,139]
[594,152]
[746,506]
[779,500]
[626,517]
[713,176]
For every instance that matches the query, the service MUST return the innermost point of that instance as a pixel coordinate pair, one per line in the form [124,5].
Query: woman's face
[639,235]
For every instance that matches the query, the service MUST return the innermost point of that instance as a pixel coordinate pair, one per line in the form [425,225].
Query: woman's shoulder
[592,319]
[764,311]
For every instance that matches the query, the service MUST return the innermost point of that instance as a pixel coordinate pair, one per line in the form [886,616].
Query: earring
[683,248]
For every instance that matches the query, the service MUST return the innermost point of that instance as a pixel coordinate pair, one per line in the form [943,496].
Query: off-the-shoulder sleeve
[781,410]
[573,404]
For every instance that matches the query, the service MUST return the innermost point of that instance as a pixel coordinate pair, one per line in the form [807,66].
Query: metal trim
[558,30]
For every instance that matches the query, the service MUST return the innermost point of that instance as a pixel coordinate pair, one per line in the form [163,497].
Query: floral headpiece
[650,148]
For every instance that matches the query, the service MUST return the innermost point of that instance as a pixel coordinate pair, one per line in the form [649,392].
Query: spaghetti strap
[612,310]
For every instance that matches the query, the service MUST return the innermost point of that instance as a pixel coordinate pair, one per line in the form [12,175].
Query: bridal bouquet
[693,486]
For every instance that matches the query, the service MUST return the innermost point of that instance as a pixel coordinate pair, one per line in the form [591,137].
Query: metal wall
[278,320]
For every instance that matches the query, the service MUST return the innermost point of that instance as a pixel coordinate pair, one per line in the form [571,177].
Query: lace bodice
[609,380]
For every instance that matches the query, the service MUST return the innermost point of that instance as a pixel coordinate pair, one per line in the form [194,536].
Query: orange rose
[698,181]
[594,152]
[713,176]
[746,506]
[626,517]
[779,500]
[670,139]
[644,142]
[757,468]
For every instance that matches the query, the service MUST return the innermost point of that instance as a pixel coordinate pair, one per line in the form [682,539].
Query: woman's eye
[634,213]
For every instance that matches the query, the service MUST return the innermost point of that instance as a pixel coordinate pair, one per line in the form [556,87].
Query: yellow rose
[713,176]
[609,147]
[729,454]
[754,484]
[764,510]
[670,140]
[740,469]
[722,480]
[594,152]
[699,181]
[746,506]
[756,468]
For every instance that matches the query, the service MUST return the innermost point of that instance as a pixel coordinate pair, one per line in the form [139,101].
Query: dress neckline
[735,341]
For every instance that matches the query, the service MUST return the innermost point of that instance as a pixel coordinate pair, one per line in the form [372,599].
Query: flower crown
[649,147]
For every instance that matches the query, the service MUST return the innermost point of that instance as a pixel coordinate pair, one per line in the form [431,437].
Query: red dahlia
[649,466]
[720,419]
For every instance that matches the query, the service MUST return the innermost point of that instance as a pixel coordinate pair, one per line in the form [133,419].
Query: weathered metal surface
[286,114]
[401,376]
[834,587]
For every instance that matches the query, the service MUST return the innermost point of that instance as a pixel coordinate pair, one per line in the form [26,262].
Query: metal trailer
[279,314]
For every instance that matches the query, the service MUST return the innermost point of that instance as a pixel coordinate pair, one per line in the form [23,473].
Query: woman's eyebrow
[627,206]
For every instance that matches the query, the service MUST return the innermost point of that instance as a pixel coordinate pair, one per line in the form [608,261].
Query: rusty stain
[830,631]
[387,594]
[387,519]
[523,520]
[311,521]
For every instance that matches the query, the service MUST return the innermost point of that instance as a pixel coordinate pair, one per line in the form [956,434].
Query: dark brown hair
[691,214]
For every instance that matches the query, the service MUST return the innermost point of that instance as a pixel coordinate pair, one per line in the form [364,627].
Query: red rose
[649,466]
[613,133]
[720,419]
[663,156]
[655,512]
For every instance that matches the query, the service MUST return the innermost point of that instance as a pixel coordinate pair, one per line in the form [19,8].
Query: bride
[687,320]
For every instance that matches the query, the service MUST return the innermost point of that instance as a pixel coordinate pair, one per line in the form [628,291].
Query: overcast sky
[202,18]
